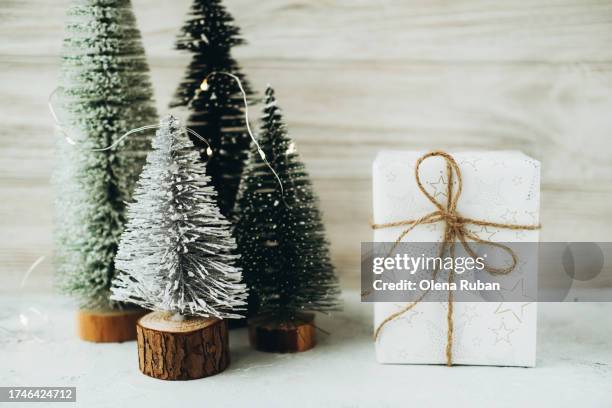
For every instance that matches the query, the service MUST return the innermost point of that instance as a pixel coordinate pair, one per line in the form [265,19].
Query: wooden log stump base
[288,335]
[108,326]
[181,349]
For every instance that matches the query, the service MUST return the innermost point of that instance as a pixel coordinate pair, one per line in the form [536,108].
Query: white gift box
[498,186]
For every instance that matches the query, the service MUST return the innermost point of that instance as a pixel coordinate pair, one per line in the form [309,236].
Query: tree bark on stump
[283,335]
[108,326]
[181,350]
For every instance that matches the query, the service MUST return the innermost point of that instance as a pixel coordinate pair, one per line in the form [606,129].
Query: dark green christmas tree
[217,112]
[281,238]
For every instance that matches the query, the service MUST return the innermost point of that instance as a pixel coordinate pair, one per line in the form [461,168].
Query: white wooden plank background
[353,76]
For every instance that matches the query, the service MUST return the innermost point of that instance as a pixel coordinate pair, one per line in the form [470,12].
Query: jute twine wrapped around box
[455,229]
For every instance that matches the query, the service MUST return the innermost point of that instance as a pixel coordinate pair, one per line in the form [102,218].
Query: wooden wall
[353,77]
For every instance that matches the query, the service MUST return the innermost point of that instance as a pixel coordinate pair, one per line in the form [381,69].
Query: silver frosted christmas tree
[105,91]
[177,253]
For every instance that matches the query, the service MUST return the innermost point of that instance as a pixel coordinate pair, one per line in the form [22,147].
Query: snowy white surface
[574,366]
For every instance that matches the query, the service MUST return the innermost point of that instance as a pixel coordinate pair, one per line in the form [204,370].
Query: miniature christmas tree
[285,256]
[218,111]
[176,253]
[105,92]
[176,256]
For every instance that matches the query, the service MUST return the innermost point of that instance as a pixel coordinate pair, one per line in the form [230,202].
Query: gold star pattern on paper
[516,309]
[485,232]
[509,216]
[469,314]
[409,316]
[502,333]
[440,187]
[488,194]
[471,162]
[533,215]
[499,163]
[519,287]
[404,354]
[391,177]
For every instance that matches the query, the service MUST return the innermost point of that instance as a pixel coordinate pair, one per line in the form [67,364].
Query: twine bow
[455,229]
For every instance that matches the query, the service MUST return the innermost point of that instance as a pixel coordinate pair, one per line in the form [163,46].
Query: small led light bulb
[291,149]
[204,85]
[209,151]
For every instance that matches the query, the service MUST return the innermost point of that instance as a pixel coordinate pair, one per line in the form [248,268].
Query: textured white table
[574,366]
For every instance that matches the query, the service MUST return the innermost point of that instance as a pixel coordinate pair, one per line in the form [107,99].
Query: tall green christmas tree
[285,256]
[105,91]
[217,112]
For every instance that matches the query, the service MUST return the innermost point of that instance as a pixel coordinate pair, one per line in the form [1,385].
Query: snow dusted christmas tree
[104,92]
[177,257]
[218,111]
[177,253]
[285,255]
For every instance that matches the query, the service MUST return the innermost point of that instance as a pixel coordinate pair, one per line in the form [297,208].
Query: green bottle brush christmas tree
[218,111]
[281,239]
[105,91]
